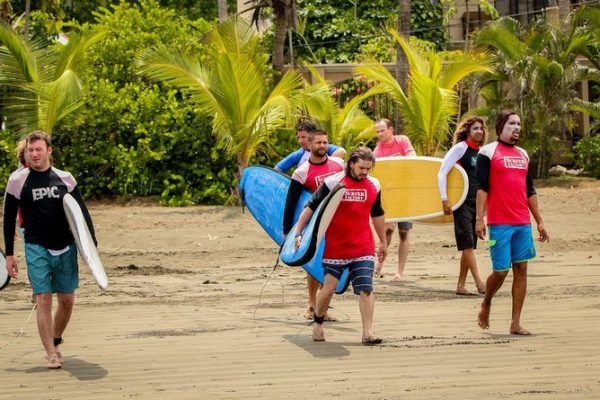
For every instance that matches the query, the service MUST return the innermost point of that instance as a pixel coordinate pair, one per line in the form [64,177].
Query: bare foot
[59,355]
[318,333]
[397,278]
[519,330]
[53,362]
[481,288]
[310,312]
[483,318]
[371,341]
[461,291]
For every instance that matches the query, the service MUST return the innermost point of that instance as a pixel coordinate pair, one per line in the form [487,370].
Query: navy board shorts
[51,274]
[360,271]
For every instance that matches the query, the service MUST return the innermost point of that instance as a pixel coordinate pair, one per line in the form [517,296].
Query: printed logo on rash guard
[357,195]
[40,193]
[515,162]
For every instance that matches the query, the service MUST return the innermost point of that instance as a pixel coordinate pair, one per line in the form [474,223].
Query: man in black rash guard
[49,246]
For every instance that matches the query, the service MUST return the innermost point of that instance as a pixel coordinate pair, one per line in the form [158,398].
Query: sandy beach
[194,310]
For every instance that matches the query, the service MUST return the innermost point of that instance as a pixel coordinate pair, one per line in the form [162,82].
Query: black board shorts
[464,225]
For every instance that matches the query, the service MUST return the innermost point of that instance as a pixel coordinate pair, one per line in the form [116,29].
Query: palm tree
[285,18]
[537,75]
[430,101]
[346,126]
[232,87]
[44,81]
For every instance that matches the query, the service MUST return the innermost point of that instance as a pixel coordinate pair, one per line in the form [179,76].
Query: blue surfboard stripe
[264,192]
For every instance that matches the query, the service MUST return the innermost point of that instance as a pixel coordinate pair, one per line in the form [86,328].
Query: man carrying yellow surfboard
[390,145]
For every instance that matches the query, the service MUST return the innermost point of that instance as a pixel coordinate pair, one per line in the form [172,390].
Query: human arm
[294,193]
[290,161]
[378,219]
[481,201]
[449,161]
[409,150]
[336,151]
[11,206]
[532,203]
[483,187]
[86,214]
[308,211]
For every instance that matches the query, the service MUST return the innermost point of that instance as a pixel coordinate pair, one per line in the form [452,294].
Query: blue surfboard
[313,232]
[264,192]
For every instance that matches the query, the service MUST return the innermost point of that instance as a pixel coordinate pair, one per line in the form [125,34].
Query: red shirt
[507,188]
[349,234]
[400,146]
[311,175]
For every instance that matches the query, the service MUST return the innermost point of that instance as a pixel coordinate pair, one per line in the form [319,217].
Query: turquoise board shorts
[510,244]
[51,274]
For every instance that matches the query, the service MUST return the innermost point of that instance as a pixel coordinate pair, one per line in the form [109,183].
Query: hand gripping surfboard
[83,239]
[313,232]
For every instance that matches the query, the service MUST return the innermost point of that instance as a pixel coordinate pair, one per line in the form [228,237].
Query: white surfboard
[4,278]
[83,240]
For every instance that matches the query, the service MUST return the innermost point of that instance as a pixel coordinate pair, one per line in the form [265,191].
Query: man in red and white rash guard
[349,242]
[505,186]
[310,175]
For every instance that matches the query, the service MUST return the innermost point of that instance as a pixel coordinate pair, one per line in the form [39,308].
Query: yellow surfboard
[441,220]
[409,188]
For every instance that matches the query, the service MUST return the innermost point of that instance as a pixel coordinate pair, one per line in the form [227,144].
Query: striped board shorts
[360,271]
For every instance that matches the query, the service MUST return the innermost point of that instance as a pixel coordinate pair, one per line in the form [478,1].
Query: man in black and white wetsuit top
[49,246]
[349,242]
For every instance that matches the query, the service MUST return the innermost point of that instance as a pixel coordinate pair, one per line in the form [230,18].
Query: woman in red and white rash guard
[349,241]
[505,187]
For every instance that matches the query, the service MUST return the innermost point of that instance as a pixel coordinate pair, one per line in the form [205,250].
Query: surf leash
[273,268]
[22,330]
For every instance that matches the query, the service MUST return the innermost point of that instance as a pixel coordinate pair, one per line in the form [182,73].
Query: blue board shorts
[51,274]
[510,244]
[360,271]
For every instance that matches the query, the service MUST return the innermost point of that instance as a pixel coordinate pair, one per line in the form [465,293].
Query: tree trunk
[403,29]
[279,31]
[27,9]
[222,6]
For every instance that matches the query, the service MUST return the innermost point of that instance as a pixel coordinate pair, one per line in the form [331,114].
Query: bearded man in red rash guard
[349,242]
[309,176]
[505,186]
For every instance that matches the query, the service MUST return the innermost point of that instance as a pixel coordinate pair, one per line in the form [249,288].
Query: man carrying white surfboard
[310,175]
[300,156]
[49,248]
[390,145]
[349,242]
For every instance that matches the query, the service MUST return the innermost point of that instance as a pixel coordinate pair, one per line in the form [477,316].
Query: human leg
[45,328]
[519,290]
[39,271]
[493,283]
[62,317]
[324,297]
[403,247]
[500,253]
[313,286]
[389,231]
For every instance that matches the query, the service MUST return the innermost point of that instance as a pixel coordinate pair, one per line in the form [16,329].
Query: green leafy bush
[136,137]
[587,155]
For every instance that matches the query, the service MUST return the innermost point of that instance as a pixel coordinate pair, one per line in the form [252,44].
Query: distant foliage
[136,137]
[587,155]
[339,31]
